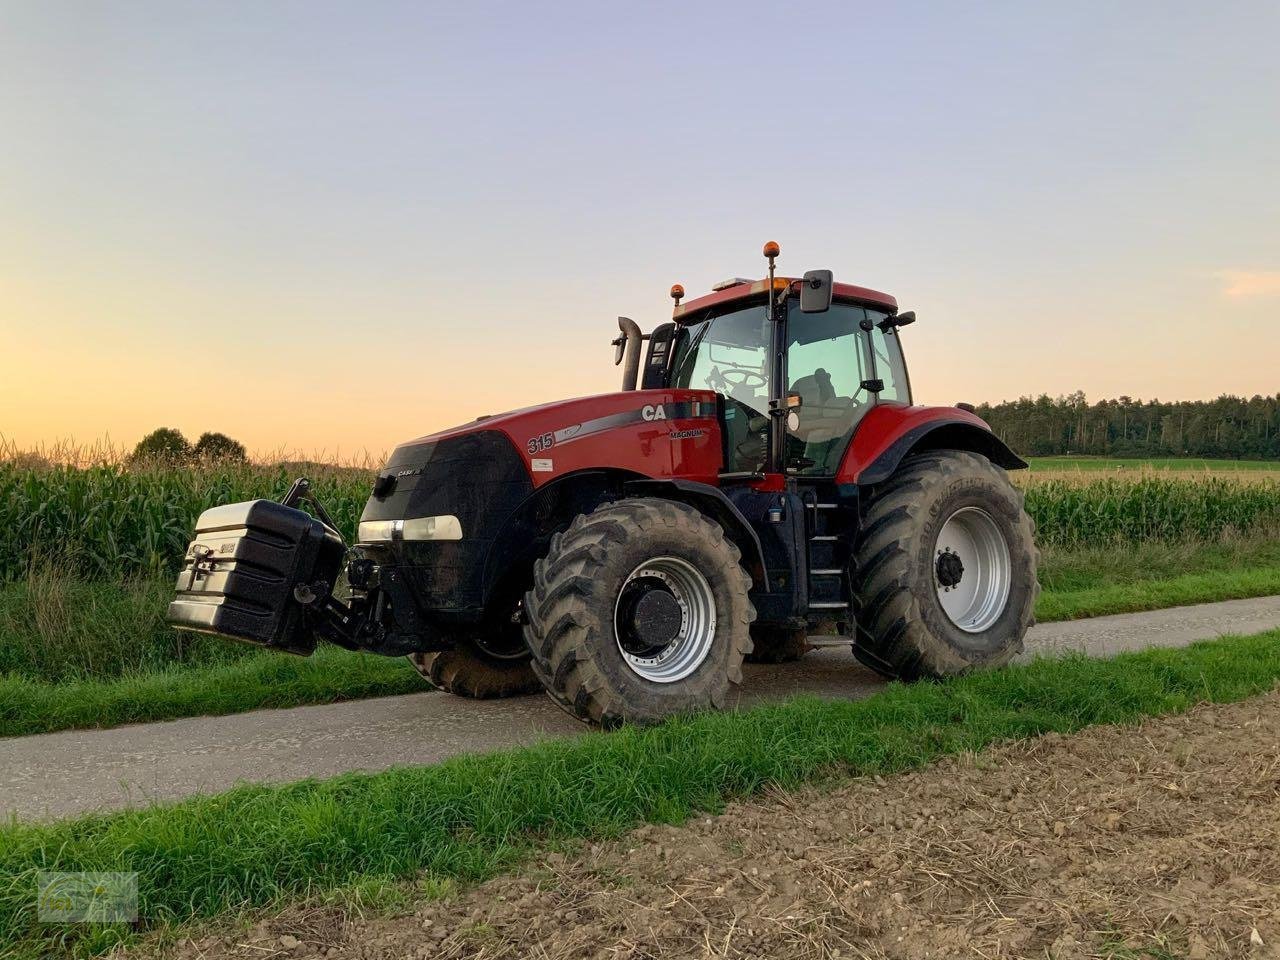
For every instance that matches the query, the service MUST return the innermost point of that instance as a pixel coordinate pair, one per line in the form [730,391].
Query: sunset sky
[335,226]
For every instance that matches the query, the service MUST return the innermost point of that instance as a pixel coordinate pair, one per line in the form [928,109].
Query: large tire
[775,644]
[468,670]
[904,629]
[579,593]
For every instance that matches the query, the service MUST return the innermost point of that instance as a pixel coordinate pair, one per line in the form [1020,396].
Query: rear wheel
[491,664]
[639,611]
[945,570]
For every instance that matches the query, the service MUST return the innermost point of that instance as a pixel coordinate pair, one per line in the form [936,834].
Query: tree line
[169,445]
[1229,427]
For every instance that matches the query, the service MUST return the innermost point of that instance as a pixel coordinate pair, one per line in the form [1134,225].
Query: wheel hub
[949,568]
[657,618]
[973,569]
[665,619]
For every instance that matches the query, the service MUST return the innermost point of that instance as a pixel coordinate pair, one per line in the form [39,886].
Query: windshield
[730,355]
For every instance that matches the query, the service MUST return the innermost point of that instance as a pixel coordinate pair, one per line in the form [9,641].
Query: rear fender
[892,432]
[711,501]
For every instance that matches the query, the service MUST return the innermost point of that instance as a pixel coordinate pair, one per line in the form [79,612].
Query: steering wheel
[735,377]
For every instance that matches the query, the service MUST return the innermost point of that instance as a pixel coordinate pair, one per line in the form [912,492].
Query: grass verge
[472,816]
[261,680]
[1094,581]
[1158,594]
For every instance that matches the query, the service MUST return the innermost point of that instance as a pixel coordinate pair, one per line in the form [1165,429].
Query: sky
[331,227]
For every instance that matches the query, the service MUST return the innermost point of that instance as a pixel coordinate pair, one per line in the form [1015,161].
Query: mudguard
[891,431]
[713,502]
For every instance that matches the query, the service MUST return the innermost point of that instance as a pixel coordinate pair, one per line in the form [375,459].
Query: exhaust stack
[629,351]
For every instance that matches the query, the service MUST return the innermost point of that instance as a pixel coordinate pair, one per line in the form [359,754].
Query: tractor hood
[649,433]
[444,502]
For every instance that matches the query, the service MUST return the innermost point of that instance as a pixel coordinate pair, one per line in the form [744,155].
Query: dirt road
[1152,842]
[65,773]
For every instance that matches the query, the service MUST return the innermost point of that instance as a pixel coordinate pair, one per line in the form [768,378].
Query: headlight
[377,531]
[445,527]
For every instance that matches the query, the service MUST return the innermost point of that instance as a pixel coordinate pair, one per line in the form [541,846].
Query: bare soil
[1161,840]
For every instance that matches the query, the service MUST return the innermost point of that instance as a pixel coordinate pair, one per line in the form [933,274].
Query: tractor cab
[798,362]
[836,365]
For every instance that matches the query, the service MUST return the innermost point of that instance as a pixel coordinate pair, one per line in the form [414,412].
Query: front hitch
[264,572]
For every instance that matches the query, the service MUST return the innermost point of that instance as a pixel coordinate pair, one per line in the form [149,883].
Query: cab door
[828,363]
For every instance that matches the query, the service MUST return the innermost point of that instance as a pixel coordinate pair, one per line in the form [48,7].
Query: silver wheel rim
[691,645]
[979,598]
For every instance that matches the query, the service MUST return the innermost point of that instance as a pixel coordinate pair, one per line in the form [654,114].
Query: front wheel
[945,570]
[639,611]
[483,666]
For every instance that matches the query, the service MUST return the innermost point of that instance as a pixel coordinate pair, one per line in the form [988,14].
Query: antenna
[771,250]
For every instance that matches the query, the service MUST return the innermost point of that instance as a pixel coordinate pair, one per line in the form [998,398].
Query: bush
[218,446]
[165,445]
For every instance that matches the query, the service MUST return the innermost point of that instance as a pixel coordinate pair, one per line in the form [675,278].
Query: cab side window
[889,364]
[827,362]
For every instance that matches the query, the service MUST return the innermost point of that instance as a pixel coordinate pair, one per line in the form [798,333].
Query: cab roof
[689,311]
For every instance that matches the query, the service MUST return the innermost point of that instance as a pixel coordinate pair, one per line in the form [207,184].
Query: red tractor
[762,476]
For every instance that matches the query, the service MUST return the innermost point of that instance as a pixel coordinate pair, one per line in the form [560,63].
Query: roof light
[731,282]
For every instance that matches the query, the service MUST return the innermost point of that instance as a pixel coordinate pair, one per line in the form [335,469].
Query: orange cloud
[1242,284]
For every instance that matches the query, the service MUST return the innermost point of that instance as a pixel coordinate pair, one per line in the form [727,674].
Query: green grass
[1158,594]
[57,628]
[79,654]
[1095,581]
[259,680]
[1148,463]
[465,819]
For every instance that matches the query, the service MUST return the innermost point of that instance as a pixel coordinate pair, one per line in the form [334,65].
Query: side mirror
[898,320]
[815,291]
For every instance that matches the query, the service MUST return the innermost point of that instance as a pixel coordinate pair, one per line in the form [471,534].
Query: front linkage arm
[360,625]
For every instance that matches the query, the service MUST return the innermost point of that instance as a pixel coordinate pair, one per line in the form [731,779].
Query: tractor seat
[827,422]
[823,416]
[815,389]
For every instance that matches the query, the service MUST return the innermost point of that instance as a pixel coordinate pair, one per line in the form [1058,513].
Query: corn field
[108,521]
[1084,510]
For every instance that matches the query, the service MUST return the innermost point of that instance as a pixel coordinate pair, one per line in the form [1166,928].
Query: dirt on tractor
[1160,840]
